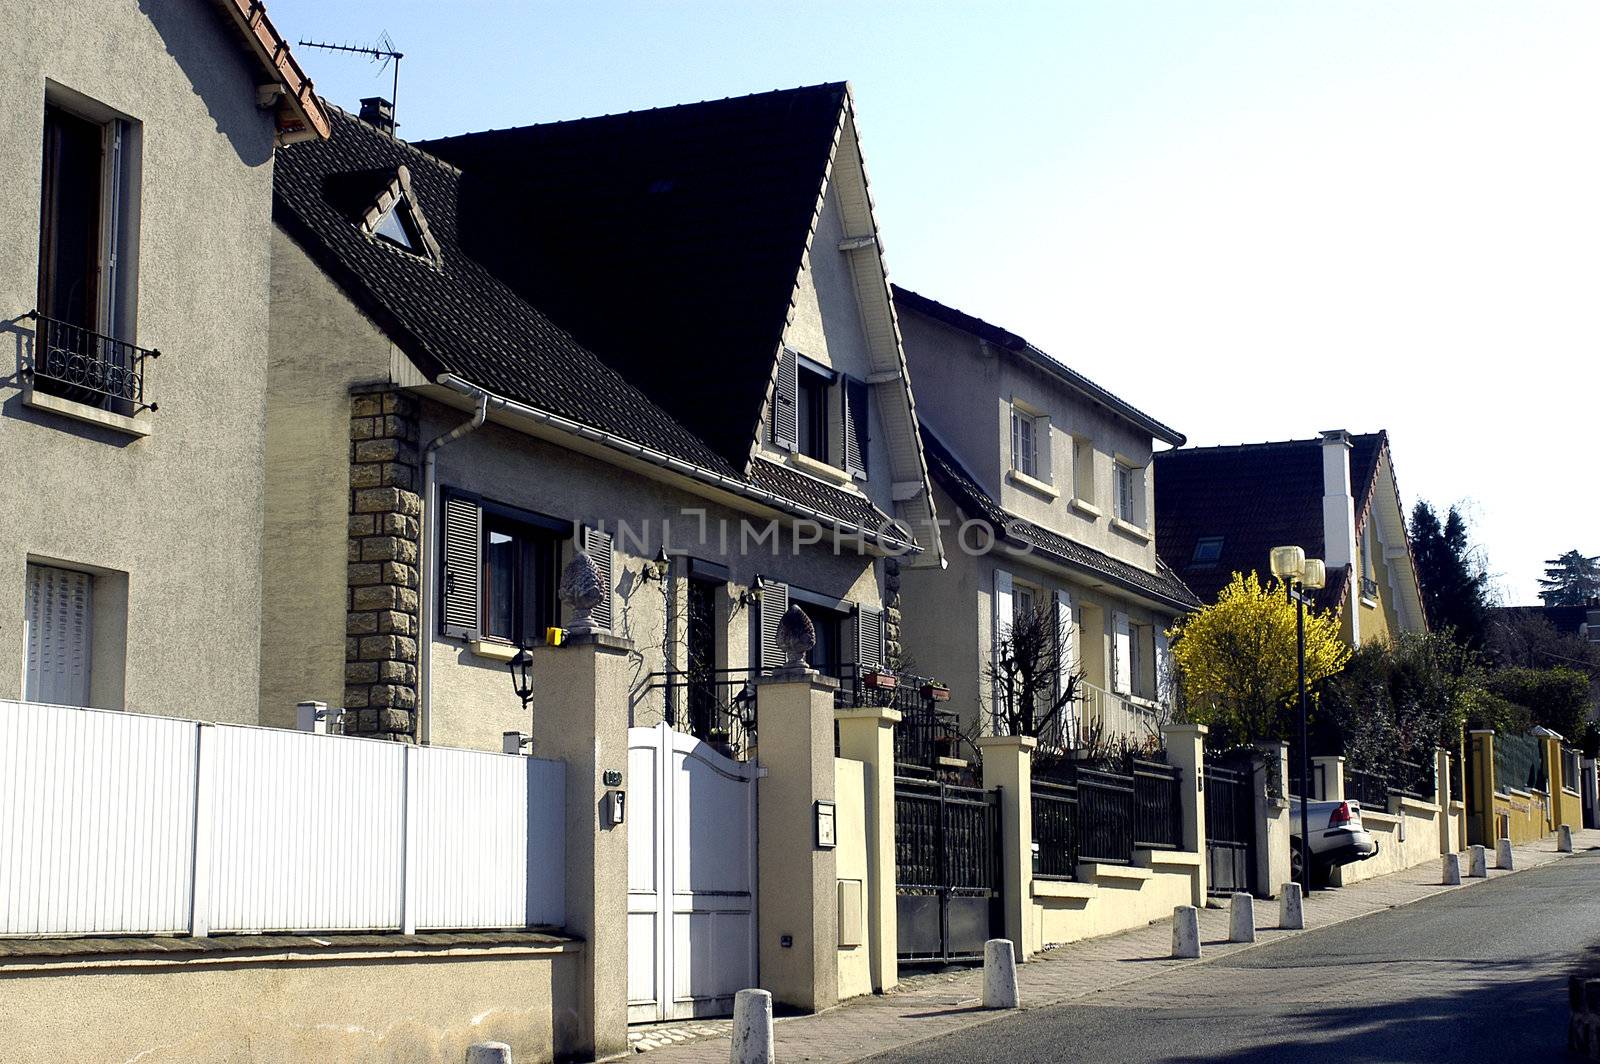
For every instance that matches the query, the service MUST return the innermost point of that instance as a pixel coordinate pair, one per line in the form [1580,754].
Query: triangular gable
[1380,507]
[889,378]
[397,218]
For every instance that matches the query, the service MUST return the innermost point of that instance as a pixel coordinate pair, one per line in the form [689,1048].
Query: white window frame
[1127,480]
[1024,426]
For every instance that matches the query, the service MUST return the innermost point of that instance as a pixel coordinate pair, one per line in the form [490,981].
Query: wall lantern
[659,566]
[521,668]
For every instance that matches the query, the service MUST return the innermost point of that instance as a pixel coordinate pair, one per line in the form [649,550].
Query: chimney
[1338,502]
[379,113]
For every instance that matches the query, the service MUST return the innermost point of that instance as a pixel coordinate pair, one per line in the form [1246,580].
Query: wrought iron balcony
[717,706]
[1369,587]
[89,367]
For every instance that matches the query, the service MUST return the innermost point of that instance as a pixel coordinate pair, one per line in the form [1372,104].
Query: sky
[1253,220]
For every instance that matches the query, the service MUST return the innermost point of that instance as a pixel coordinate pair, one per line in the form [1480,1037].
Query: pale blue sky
[1253,220]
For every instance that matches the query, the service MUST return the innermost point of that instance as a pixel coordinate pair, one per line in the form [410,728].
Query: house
[1220,510]
[1059,472]
[664,338]
[133,294]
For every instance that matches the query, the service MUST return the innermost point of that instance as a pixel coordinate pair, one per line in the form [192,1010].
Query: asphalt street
[1471,975]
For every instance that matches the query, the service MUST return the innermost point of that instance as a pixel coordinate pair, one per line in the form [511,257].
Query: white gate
[691,877]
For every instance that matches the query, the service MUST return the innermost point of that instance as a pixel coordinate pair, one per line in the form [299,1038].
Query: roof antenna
[382,53]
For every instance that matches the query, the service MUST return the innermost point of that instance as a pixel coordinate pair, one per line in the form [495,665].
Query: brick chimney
[1338,501]
[379,113]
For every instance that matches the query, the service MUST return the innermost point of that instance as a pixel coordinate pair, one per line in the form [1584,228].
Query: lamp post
[1299,575]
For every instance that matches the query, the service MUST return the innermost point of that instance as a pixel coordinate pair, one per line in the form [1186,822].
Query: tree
[1570,580]
[1454,585]
[1236,660]
[1558,698]
[1034,687]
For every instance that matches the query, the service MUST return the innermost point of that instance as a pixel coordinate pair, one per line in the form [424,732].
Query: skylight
[399,228]
[1207,552]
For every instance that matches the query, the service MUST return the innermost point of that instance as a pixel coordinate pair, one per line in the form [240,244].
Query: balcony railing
[1104,721]
[926,736]
[717,706]
[85,366]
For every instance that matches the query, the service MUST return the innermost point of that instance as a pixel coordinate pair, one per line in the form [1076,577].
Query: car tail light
[1341,815]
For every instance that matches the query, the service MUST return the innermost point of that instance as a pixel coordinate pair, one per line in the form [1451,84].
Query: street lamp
[1299,575]
[521,668]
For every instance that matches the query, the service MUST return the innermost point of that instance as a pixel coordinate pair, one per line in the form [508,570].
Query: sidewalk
[927,1006]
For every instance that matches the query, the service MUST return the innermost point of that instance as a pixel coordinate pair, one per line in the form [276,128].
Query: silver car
[1337,837]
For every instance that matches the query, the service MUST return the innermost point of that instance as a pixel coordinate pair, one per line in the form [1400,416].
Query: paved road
[1474,975]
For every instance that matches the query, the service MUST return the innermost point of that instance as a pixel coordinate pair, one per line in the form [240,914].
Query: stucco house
[139,142]
[1220,510]
[1059,471]
[663,337]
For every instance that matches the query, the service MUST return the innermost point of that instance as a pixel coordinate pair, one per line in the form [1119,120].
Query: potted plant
[879,680]
[934,691]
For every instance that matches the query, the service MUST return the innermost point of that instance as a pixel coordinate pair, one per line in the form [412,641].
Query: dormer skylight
[397,219]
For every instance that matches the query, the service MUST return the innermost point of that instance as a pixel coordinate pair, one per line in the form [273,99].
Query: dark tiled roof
[948,471]
[1254,497]
[454,315]
[666,241]
[1566,619]
[847,506]
[1006,340]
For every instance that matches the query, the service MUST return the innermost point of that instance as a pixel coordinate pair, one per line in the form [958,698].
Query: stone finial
[796,637]
[581,591]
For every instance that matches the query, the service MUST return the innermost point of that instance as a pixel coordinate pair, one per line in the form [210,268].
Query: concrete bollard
[1185,931]
[489,1053]
[752,1027]
[1502,855]
[1564,838]
[1477,863]
[1241,918]
[1292,908]
[999,974]
[1450,869]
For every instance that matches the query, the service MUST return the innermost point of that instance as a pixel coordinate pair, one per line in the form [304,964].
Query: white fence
[120,823]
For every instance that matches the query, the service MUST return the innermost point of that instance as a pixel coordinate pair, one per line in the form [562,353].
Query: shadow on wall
[208,53]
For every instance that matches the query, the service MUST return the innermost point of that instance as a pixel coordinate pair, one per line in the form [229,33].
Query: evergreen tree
[1570,580]
[1454,589]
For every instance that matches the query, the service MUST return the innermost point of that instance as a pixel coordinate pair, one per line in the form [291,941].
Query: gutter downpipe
[430,530]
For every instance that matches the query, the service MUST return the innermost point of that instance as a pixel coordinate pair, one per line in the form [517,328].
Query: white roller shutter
[1000,624]
[55,631]
[1122,654]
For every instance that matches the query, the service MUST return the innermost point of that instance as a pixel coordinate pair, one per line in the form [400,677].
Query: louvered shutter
[770,610]
[1122,654]
[461,574]
[1163,667]
[869,637]
[1000,625]
[855,422]
[56,626]
[785,401]
[597,545]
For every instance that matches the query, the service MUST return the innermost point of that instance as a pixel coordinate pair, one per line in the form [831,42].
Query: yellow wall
[1528,816]
[1407,834]
[1112,898]
[850,796]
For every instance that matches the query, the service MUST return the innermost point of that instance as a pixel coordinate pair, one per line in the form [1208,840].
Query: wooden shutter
[869,637]
[1122,654]
[461,574]
[785,401]
[769,611]
[597,545]
[56,626]
[1000,623]
[854,397]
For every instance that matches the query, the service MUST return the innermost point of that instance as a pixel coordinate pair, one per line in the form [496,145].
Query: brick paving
[934,1004]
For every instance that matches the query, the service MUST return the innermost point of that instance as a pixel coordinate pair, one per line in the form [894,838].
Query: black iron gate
[1230,827]
[947,868]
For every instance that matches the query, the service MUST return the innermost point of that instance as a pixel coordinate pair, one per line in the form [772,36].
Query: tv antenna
[382,53]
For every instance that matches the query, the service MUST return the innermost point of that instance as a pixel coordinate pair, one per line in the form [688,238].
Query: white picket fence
[122,823]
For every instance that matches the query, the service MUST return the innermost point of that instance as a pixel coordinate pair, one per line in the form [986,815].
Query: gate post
[1331,770]
[581,717]
[1008,765]
[867,735]
[1273,834]
[1186,752]
[1441,796]
[1480,794]
[797,915]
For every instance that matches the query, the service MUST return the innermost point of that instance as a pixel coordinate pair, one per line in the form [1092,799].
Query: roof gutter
[675,465]
[1164,433]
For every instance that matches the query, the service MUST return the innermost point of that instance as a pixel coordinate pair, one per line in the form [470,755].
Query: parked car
[1337,837]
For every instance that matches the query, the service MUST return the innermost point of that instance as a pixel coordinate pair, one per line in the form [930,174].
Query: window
[1083,470]
[1369,578]
[56,627]
[1207,552]
[1022,603]
[812,399]
[1024,443]
[826,654]
[399,227]
[86,250]
[519,580]
[1127,508]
